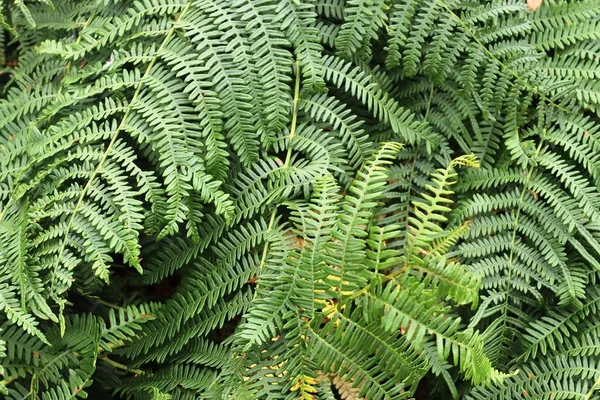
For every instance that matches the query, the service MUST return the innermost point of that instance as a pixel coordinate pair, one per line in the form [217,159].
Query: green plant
[209,199]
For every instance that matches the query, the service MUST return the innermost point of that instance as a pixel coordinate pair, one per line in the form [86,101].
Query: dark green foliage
[312,199]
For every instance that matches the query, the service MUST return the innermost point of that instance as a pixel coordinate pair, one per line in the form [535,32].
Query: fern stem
[595,387]
[106,303]
[288,156]
[9,380]
[101,349]
[118,365]
[115,136]
[294,115]
[428,110]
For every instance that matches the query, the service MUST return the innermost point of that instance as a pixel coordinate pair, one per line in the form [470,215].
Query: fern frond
[362,20]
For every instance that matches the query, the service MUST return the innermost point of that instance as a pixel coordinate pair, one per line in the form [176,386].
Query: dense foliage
[312,199]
